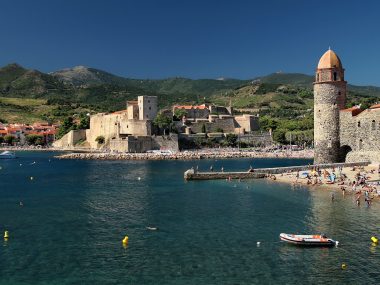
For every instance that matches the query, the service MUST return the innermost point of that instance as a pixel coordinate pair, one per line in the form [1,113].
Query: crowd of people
[358,180]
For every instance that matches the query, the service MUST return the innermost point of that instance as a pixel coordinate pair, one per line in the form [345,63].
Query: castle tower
[329,99]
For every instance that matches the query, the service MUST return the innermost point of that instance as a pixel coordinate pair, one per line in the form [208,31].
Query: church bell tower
[329,99]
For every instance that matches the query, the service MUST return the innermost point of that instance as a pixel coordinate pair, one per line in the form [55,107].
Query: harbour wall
[191,174]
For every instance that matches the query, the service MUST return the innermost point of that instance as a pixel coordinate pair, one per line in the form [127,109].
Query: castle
[128,130]
[341,134]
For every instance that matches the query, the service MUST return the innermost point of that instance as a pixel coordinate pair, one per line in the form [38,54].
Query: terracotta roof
[329,60]
[376,106]
[354,110]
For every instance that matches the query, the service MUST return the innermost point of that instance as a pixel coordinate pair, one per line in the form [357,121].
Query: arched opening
[335,76]
[373,125]
[344,150]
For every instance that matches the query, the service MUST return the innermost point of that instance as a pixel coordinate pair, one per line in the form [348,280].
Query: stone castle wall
[70,139]
[361,132]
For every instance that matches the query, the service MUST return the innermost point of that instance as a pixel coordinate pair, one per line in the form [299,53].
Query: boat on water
[308,240]
[7,155]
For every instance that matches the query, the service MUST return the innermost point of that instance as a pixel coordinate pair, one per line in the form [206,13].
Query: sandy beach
[361,181]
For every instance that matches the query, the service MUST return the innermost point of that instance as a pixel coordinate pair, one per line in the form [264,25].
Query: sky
[193,39]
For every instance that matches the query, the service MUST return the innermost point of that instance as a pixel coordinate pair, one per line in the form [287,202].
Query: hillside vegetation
[283,100]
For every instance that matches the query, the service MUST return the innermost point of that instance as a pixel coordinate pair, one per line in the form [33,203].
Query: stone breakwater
[180,155]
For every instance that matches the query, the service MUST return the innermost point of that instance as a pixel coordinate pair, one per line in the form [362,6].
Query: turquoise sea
[76,213]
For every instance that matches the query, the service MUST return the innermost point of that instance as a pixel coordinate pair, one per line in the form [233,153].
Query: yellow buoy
[344,266]
[125,240]
[374,240]
[6,235]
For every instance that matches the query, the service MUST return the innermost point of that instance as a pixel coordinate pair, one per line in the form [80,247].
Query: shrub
[35,139]
[9,139]
[100,139]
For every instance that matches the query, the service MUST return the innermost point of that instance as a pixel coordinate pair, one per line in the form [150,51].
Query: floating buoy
[6,235]
[344,266]
[20,164]
[375,240]
[139,178]
[258,243]
[125,241]
[31,178]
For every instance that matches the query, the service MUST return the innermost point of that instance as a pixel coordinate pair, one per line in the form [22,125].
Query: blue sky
[195,39]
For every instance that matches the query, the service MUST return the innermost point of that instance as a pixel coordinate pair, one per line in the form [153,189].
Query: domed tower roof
[329,60]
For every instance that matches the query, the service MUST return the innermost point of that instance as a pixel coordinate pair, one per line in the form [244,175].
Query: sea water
[75,213]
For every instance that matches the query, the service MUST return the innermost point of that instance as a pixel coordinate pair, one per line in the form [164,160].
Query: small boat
[308,240]
[7,154]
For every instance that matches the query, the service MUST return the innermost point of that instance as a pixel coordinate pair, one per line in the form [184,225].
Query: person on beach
[343,190]
[222,169]
[211,168]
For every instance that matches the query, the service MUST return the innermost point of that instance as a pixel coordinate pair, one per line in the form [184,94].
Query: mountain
[81,76]
[16,81]
[67,91]
[297,79]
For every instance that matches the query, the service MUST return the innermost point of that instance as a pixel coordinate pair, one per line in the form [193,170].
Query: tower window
[335,76]
[360,144]
[359,124]
[373,125]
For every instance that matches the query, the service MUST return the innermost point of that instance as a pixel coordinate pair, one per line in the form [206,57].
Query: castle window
[150,108]
[335,76]
[373,125]
[148,101]
[339,93]
[359,124]
[360,144]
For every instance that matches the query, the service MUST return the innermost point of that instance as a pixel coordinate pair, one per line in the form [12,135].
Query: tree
[84,123]
[1,139]
[204,128]
[67,125]
[100,139]
[179,113]
[162,121]
[35,139]
[8,139]
[231,139]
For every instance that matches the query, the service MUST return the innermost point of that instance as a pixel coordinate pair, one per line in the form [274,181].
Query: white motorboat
[7,155]
[308,240]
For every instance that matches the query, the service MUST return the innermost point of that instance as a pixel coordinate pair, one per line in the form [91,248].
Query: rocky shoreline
[188,155]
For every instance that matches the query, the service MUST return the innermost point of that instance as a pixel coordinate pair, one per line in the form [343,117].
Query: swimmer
[152,228]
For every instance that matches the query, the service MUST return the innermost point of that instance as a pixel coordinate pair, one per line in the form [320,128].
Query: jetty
[192,174]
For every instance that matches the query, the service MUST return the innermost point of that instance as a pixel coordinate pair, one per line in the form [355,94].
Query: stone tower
[329,99]
[148,107]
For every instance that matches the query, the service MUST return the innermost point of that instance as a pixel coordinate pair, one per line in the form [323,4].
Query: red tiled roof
[376,106]
[354,110]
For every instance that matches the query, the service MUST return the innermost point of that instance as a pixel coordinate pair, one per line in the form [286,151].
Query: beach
[348,180]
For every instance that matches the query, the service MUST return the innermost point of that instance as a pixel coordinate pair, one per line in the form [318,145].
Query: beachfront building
[341,134]
[21,131]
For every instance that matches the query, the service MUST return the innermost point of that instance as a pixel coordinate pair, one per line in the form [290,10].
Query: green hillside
[81,89]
